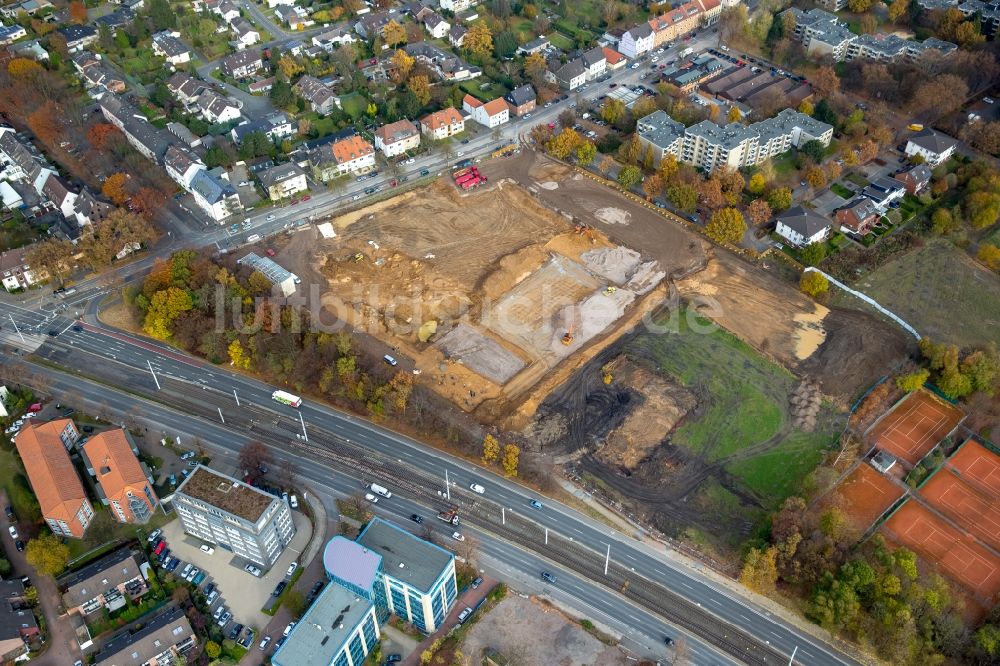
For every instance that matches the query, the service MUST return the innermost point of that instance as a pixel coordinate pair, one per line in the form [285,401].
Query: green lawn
[993,238]
[778,473]
[105,533]
[15,483]
[354,105]
[941,292]
[560,40]
[841,191]
[857,179]
[784,164]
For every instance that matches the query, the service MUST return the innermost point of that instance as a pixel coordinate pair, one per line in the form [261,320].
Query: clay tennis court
[979,467]
[970,509]
[865,495]
[915,426]
[958,555]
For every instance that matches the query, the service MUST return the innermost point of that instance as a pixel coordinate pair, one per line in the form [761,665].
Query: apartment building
[160,641]
[63,502]
[320,96]
[932,146]
[242,64]
[276,126]
[15,271]
[112,459]
[339,629]
[890,48]
[736,146]
[442,124]
[398,572]
[397,138]
[350,154]
[488,114]
[221,510]
[637,42]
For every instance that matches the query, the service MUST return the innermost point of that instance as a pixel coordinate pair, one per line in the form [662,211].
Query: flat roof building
[219,509]
[277,275]
[339,629]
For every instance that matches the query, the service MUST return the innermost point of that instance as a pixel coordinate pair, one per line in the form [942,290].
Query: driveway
[243,594]
[61,638]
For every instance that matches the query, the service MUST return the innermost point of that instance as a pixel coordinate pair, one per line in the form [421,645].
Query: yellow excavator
[567,338]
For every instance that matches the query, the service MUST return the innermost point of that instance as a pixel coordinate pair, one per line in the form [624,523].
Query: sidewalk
[468,598]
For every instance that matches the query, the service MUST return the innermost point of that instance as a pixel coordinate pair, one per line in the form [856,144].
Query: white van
[476,488]
[253,238]
[389,359]
[379,490]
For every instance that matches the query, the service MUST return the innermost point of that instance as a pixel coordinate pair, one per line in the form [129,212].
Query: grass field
[993,238]
[941,292]
[354,105]
[16,485]
[841,191]
[743,400]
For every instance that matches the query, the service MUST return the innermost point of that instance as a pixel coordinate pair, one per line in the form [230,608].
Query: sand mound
[613,215]
[615,263]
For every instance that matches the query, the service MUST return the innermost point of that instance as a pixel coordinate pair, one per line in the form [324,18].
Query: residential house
[858,216]
[169,45]
[436,26]
[18,626]
[103,584]
[185,88]
[735,146]
[350,154]
[456,36]
[261,87]
[33,50]
[678,21]
[276,126]
[283,180]
[397,138]
[78,37]
[537,45]
[333,38]
[228,11]
[373,25]
[802,226]
[103,77]
[89,209]
[883,191]
[11,199]
[637,42]
[915,179]
[244,32]
[445,65]
[58,192]
[442,124]
[216,109]
[271,4]
[932,146]
[29,7]
[489,114]
[614,60]
[160,641]
[242,64]
[295,17]
[147,139]
[63,502]
[569,76]
[456,6]
[119,18]
[15,271]
[218,509]
[821,33]
[320,96]
[20,161]
[11,33]
[521,99]
[125,486]
[594,62]
[215,195]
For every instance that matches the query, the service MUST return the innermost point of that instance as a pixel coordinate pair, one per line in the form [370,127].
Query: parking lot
[240,593]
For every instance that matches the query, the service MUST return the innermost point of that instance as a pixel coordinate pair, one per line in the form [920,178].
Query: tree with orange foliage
[98,135]
[45,123]
[147,201]
[78,12]
[114,188]
[22,68]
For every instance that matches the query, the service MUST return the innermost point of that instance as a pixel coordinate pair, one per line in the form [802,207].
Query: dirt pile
[663,404]
[804,404]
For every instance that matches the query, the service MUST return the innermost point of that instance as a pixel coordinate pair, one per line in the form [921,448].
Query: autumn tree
[757,183]
[255,456]
[586,152]
[114,188]
[759,212]
[943,222]
[393,34]
[491,449]
[420,86]
[652,185]
[78,12]
[46,123]
[630,152]
[564,143]
[47,554]
[813,253]
[683,196]
[402,64]
[289,66]
[806,107]
[100,134]
[779,198]
[23,68]
[535,67]
[121,231]
[734,115]
[238,356]
[147,201]
[912,381]
[710,193]
[815,176]
[629,176]
[898,9]
[164,307]
[54,255]
[726,226]
[479,40]
[612,111]
[511,455]
[825,81]
[760,572]
[814,283]
[989,255]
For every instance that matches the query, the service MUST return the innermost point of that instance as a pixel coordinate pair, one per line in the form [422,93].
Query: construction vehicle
[473,173]
[475,182]
[585,230]
[610,290]
[505,150]
[567,338]
[449,516]
[461,172]
[359,257]
[607,371]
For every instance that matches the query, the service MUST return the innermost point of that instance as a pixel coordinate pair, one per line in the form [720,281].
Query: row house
[216,109]
[443,124]
[858,216]
[320,96]
[185,88]
[15,271]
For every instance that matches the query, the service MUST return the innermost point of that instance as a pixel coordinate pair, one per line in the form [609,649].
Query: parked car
[476,583]
[235,631]
[291,569]
[251,569]
[279,588]
[13,532]
[226,617]
[288,629]
[393,658]
[218,613]
[210,599]
[153,536]
[191,575]
[19,545]
[293,501]
[464,615]
[199,579]
[205,548]
[264,642]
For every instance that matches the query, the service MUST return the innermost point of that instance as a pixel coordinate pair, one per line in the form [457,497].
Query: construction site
[694,387]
